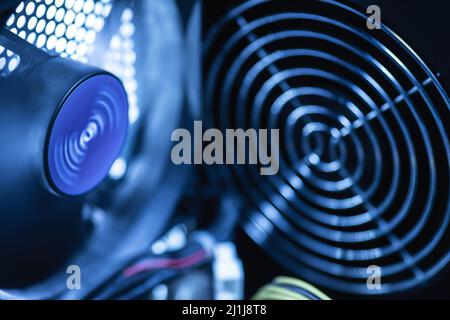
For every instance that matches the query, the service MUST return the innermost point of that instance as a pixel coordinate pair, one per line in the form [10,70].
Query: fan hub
[87,134]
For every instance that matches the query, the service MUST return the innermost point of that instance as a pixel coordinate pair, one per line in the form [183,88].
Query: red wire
[152,264]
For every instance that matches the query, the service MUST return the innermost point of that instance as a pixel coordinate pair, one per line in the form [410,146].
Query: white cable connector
[228,273]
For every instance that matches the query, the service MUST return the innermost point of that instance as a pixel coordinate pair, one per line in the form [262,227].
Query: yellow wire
[301,284]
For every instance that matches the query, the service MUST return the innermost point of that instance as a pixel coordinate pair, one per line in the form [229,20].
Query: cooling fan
[90,92]
[364,140]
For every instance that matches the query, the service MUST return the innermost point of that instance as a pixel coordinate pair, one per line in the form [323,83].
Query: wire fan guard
[364,155]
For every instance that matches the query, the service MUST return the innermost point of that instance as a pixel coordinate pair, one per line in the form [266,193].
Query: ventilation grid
[364,155]
[98,32]
[67,27]
[9,61]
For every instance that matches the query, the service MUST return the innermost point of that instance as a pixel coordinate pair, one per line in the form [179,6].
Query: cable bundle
[285,288]
[147,271]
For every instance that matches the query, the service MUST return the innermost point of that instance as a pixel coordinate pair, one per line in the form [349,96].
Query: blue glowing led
[87,135]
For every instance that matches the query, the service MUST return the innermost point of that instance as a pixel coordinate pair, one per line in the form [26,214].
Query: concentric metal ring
[87,135]
[364,158]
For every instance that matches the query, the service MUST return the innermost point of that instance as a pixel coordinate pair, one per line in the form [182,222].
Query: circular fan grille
[364,150]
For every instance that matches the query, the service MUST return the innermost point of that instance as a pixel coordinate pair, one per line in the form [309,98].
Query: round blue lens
[87,135]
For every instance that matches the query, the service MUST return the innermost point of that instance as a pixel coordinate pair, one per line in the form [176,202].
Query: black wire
[118,286]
